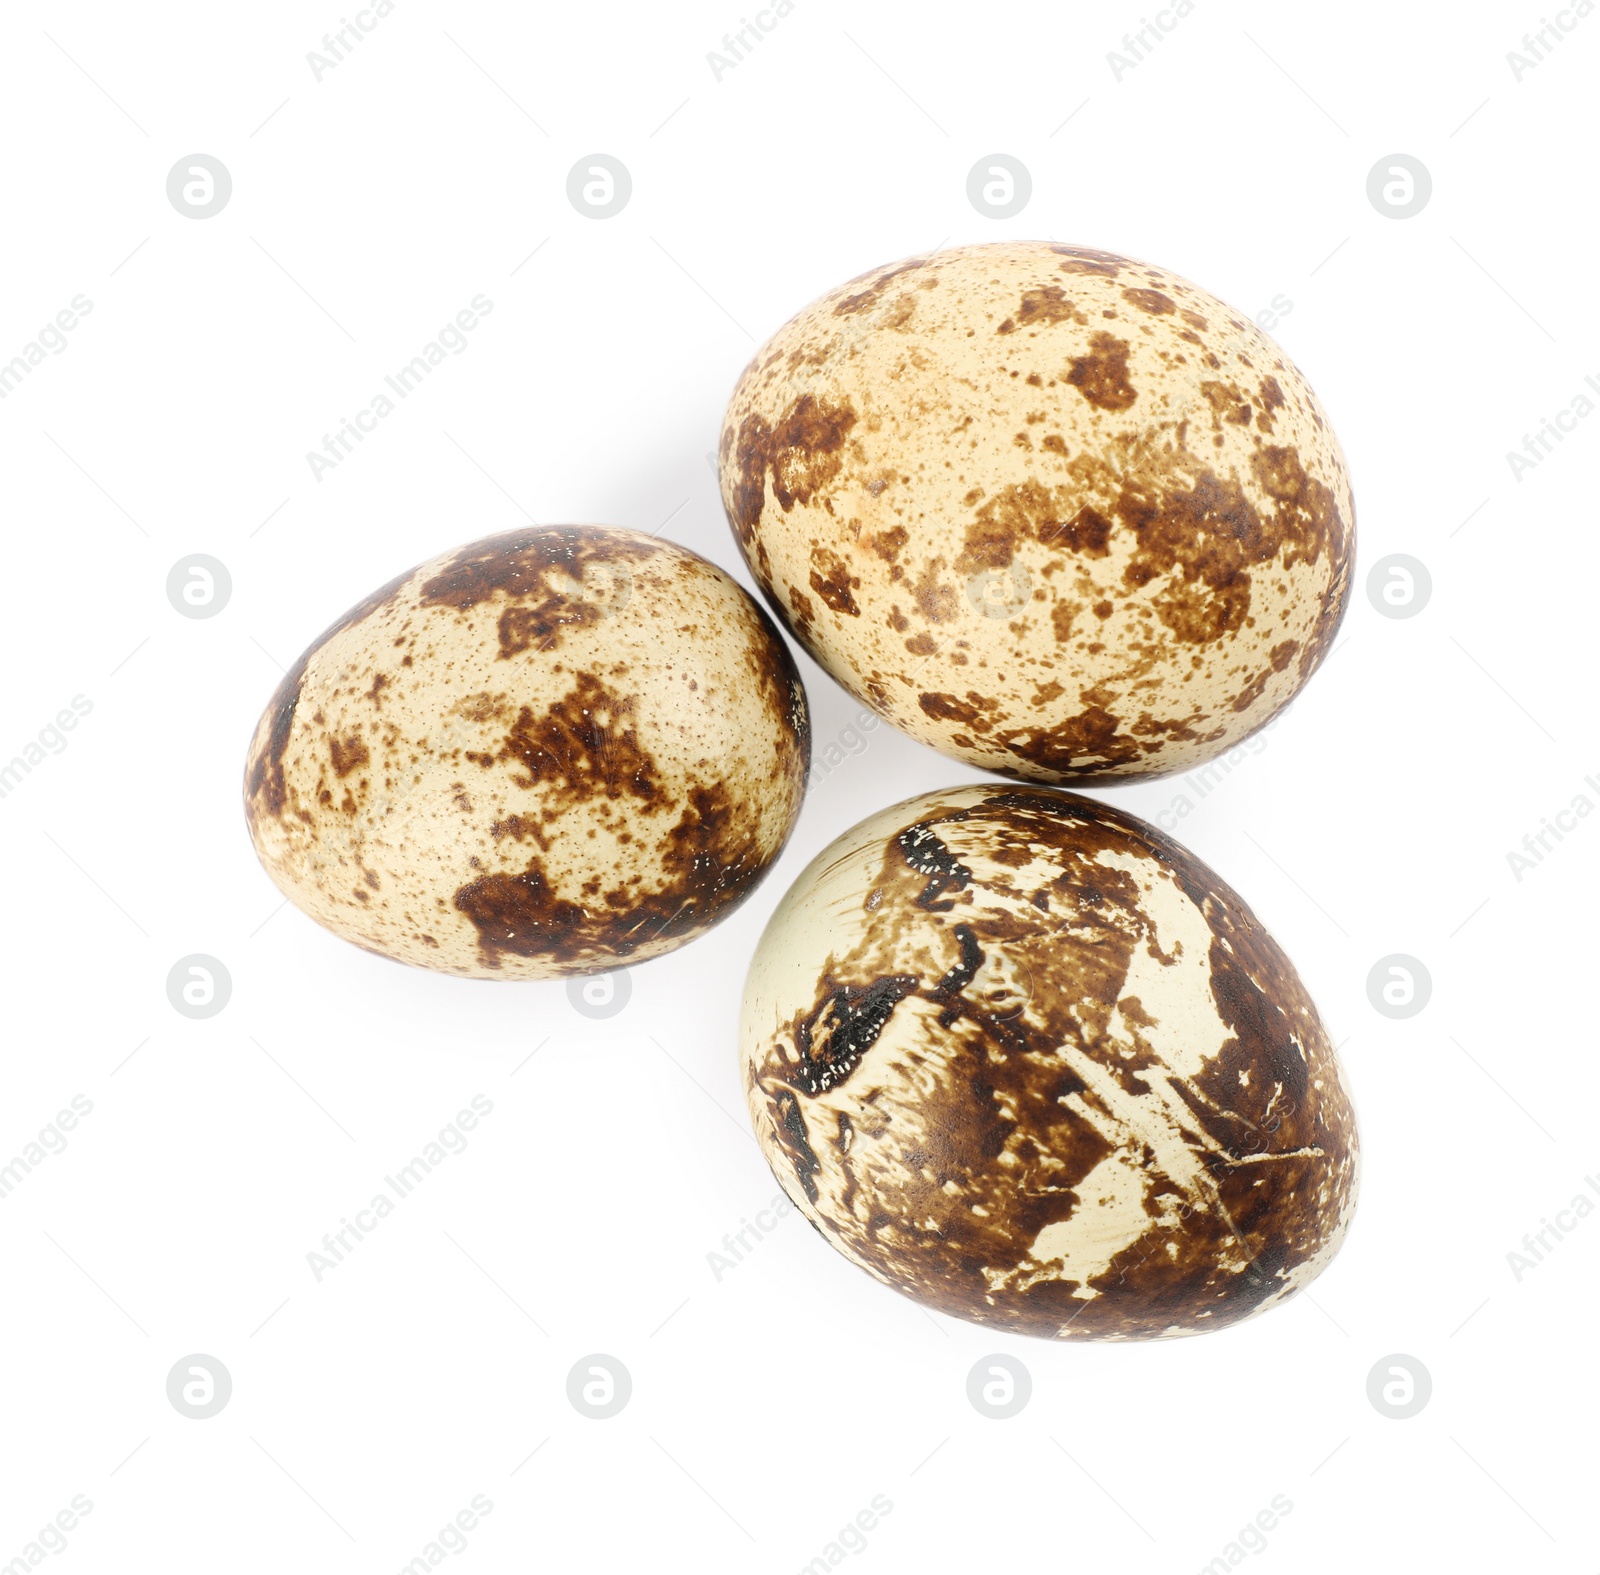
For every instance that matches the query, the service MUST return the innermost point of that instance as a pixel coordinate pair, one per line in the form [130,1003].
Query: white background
[771,1406]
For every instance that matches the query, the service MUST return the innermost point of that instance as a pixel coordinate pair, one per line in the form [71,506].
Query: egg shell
[1023,1058]
[1052,511]
[544,753]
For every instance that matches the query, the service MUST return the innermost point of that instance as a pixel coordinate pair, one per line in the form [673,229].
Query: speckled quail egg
[549,752]
[1052,511]
[1023,1058]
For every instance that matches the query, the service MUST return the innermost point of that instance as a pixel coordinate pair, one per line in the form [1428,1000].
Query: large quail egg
[1055,512]
[1023,1058]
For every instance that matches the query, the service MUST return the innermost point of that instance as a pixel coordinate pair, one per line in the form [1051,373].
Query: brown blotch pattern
[832,580]
[1101,375]
[799,455]
[583,747]
[1152,301]
[347,755]
[265,786]
[865,300]
[544,580]
[710,856]
[1048,304]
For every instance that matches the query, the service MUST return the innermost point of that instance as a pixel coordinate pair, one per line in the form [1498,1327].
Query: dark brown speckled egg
[1055,512]
[1023,1058]
[545,753]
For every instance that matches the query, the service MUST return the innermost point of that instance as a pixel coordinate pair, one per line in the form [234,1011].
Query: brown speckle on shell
[1088,1096]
